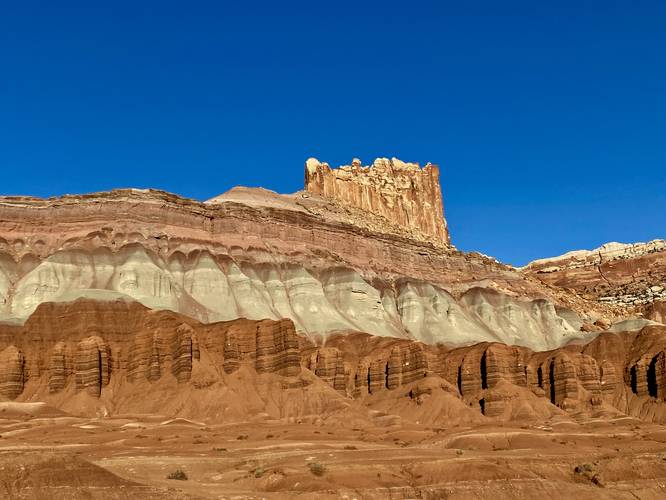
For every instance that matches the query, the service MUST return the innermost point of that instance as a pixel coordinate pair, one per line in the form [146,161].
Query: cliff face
[260,255]
[402,193]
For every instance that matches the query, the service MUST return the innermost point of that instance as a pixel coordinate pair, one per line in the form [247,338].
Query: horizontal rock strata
[327,265]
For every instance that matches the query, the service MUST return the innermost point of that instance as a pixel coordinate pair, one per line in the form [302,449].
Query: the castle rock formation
[403,193]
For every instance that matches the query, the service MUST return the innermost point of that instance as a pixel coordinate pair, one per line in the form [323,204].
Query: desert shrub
[317,469]
[259,471]
[178,475]
[583,469]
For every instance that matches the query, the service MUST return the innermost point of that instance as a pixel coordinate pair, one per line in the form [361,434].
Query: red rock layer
[327,363]
[87,345]
[12,372]
[92,365]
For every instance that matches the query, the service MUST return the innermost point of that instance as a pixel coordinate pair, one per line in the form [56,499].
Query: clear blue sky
[548,122]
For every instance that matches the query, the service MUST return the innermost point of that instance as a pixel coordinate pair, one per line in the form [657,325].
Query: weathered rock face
[615,273]
[327,363]
[89,344]
[58,369]
[277,349]
[657,312]
[105,349]
[326,267]
[503,381]
[402,193]
[93,365]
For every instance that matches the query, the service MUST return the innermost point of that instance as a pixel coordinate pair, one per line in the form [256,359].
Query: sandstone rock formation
[349,291]
[86,344]
[615,273]
[403,193]
[12,372]
[111,350]
[92,365]
[326,267]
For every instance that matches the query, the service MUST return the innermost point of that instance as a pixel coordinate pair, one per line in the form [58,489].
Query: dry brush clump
[317,469]
[589,473]
[178,475]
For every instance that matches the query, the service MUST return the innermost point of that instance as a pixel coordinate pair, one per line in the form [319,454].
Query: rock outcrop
[325,266]
[328,364]
[628,275]
[58,369]
[12,372]
[657,312]
[87,344]
[93,365]
[402,193]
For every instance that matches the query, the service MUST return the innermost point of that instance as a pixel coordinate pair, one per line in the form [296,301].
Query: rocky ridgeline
[96,347]
[605,253]
[402,193]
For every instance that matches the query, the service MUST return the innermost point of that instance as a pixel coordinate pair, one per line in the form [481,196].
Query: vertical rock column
[12,372]
[58,368]
[277,349]
[92,365]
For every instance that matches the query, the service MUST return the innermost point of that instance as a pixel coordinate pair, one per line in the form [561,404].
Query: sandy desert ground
[45,453]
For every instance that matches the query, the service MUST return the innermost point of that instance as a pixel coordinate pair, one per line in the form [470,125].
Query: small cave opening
[369,385]
[482,405]
[540,377]
[633,375]
[551,379]
[653,387]
[484,371]
[386,376]
[460,379]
